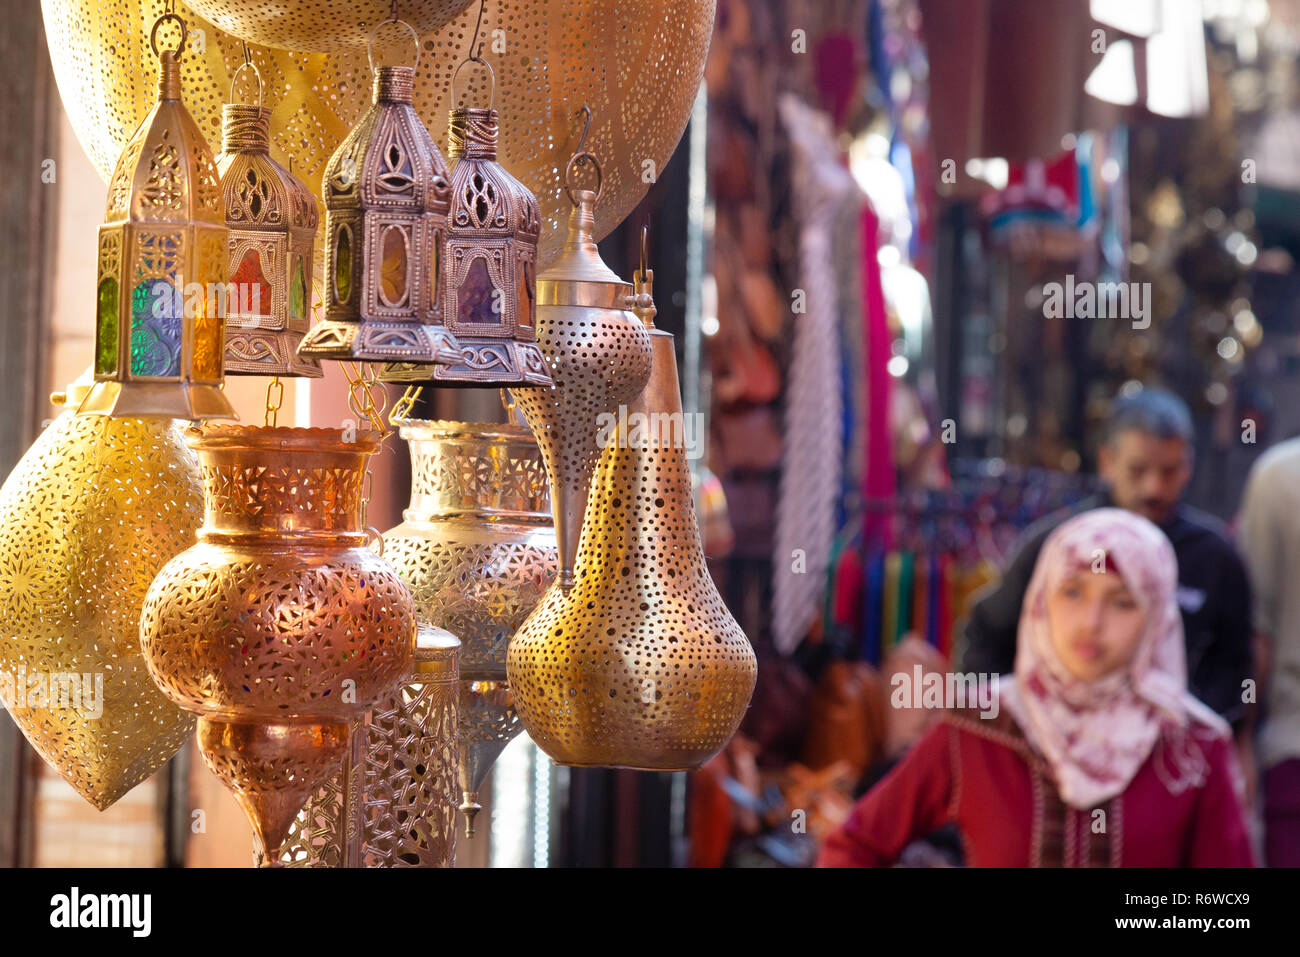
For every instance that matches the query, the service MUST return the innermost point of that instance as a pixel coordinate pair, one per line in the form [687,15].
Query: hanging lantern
[386,199]
[640,664]
[489,288]
[272,219]
[477,549]
[599,355]
[161,268]
[393,802]
[638,62]
[87,517]
[280,626]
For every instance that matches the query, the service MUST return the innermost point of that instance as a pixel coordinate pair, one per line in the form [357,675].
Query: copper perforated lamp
[280,626]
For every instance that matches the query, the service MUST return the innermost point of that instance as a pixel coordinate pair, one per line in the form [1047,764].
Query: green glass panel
[106,328]
[343,266]
[298,294]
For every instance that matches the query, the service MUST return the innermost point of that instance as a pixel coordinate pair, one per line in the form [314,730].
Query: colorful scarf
[1097,734]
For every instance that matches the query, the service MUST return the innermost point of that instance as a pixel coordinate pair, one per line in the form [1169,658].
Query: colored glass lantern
[489,276]
[386,200]
[161,269]
[272,219]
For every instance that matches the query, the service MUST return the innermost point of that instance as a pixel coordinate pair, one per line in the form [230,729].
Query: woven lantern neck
[169,75]
[245,128]
[472,133]
[394,84]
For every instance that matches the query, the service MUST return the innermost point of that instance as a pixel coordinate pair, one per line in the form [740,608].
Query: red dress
[983,776]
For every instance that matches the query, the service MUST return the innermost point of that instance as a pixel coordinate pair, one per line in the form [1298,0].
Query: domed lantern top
[161,268]
[489,284]
[272,219]
[386,199]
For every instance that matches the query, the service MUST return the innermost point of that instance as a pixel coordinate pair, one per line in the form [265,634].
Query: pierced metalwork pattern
[303,627]
[637,63]
[393,802]
[320,26]
[87,517]
[599,355]
[476,547]
[477,550]
[639,664]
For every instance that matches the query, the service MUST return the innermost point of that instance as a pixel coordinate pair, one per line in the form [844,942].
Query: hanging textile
[810,466]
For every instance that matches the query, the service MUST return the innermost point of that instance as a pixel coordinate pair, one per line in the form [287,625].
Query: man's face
[1146,474]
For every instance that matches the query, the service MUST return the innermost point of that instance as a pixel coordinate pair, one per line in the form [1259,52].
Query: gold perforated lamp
[639,664]
[161,269]
[599,355]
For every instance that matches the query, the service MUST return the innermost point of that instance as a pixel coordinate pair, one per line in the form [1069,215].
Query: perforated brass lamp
[639,664]
[272,218]
[599,355]
[386,199]
[161,264]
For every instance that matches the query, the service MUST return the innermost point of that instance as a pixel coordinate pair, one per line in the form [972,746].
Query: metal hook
[478,24]
[579,159]
[370,43]
[645,238]
[248,64]
[492,76]
[153,34]
[586,127]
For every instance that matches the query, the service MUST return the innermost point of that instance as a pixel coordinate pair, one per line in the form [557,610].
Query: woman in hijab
[1093,754]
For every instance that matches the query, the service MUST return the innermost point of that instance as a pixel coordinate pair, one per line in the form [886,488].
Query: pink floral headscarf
[1097,734]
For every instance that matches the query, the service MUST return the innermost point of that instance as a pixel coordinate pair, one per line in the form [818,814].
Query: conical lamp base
[488,722]
[272,770]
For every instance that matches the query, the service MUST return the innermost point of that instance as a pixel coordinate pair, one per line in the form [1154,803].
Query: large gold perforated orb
[87,517]
[636,63]
[319,26]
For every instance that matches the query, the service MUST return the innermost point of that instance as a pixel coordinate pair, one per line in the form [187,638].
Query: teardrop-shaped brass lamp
[640,664]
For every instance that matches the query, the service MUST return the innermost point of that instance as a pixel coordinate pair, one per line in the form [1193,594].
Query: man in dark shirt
[1146,462]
